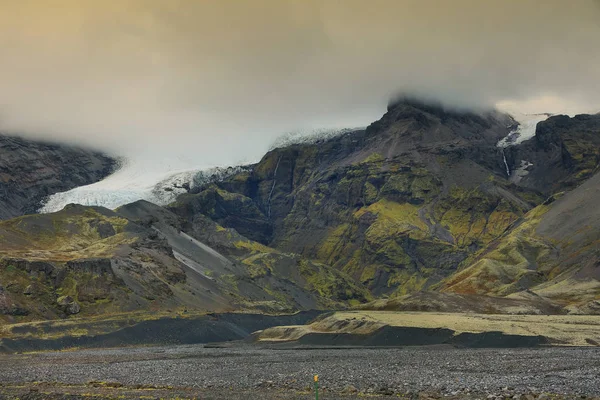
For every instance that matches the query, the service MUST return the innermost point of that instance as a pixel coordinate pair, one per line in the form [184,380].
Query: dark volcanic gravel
[482,373]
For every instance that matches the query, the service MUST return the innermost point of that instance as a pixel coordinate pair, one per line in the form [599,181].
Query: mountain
[94,261]
[425,209]
[397,206]
[30,171]
[563,153]
[553,251]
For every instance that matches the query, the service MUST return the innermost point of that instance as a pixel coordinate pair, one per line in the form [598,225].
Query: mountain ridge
[30,171]
[410,212]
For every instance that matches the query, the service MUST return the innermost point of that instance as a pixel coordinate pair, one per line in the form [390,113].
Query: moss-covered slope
[553,251]
[397,206]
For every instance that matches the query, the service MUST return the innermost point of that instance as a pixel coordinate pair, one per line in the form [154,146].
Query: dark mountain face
[31,171]
[397,206]
[564,152]
[420,200]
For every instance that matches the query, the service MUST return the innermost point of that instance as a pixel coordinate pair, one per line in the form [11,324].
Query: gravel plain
[193,371]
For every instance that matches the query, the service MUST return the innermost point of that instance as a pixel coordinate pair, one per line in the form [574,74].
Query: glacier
[525,130]
[159,182]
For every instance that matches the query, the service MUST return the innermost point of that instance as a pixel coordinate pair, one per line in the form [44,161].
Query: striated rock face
[31,171]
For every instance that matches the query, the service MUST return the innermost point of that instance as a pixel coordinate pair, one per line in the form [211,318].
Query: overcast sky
[218,80]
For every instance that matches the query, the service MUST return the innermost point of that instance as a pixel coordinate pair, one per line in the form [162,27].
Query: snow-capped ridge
[312,137]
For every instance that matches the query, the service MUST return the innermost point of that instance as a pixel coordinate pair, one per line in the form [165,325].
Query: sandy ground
[571,330]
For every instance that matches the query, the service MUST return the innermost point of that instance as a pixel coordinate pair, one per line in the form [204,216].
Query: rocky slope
[420,197]
[420,200]
[30,171]
[397,206]
[92,261]
[553,251]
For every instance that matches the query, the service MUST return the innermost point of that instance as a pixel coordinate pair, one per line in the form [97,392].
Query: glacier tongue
[524,131]
[140,180]
[135,180]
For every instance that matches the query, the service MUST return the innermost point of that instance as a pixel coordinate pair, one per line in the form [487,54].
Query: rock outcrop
[30,171]
[397,206]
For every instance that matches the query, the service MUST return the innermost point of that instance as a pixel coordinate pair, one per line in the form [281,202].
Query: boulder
[69,305]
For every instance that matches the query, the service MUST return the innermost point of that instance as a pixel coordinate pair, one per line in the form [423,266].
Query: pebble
[493,374]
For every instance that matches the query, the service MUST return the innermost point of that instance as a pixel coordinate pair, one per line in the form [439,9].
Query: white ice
[524,131]
[159,180]
[137,179]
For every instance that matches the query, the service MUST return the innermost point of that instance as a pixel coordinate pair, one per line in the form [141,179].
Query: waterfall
[505,163]
[527,125]
[273,187]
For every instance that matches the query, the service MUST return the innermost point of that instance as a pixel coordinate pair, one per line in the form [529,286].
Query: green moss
[228,196]
[368,273]
[334,242]
[373,158]
[499,269]
[424,187]
[254,247]
[473,217]
[397,184]
[330,284]
[259,265]
[407,281]
[266,166]
[68,287]
[393,219]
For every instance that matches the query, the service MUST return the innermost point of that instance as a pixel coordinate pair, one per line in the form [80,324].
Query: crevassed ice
[135,180]
[524,131]
[161,180]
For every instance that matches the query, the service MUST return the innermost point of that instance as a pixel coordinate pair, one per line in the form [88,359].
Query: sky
[215,82]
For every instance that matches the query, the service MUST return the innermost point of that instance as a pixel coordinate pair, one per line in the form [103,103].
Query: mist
[215,82]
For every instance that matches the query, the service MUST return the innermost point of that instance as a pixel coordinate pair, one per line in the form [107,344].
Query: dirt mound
[165,331]
[524,303]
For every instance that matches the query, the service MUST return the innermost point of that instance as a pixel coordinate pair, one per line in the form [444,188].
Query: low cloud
[215,82]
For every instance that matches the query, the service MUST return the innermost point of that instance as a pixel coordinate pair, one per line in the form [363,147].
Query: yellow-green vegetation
[474,217]
[408,281]
[373,158]
[330,283]
[393,219]
[335,243]
[65,235]
[253,247]
[507,266]
[566,330]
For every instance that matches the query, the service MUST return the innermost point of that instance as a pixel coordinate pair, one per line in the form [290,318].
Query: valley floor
[194,371]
